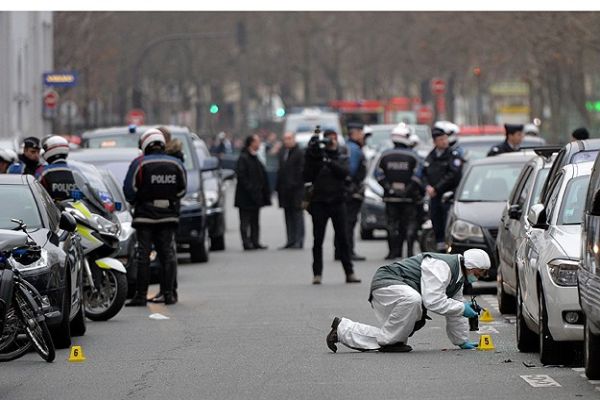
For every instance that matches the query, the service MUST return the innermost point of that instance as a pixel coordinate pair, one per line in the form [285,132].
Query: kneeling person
[402,293]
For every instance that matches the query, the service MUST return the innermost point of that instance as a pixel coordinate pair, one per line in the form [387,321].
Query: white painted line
[487,329]
[578,369]
[540,381]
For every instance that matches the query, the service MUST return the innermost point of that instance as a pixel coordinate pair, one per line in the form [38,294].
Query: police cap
[513,128]
[31,143]
[437,132]
[354,125]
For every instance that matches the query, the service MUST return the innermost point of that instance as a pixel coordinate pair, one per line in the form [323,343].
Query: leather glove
[468,345]
[468,311]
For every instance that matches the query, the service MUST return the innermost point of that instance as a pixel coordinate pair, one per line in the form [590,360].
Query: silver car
[548,313]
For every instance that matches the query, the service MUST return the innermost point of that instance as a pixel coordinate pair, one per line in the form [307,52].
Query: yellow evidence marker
[76,354]
[486,316]
[485,343]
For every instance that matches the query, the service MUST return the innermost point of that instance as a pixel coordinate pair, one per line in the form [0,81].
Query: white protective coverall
[398,307]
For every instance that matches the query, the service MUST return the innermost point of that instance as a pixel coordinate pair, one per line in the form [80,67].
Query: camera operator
[327,169]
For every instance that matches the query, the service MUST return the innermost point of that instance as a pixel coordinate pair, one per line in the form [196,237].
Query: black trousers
[294,225]
[249,228]
[352,210]
[321,213]
[402,226]
[162,236]
[438,211]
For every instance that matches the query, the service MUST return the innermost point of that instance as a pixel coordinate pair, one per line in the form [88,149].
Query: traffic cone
[486,316]
[485,343]
[76,354]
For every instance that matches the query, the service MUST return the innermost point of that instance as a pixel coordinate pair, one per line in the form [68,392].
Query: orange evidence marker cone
[76,354]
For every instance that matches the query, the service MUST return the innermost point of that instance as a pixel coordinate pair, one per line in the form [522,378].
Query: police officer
[398,172]
[326,168]
[29,160]
[56,176]
[7,158]
[514,138]
[441,173]
[154,185]
[354,185]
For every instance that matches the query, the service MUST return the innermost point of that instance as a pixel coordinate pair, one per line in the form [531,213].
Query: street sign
[50,99]
[438,86]
[135,117]
[424,115]
[60,79]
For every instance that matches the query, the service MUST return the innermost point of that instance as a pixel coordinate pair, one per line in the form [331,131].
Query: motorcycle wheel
[36,330]
[106,301]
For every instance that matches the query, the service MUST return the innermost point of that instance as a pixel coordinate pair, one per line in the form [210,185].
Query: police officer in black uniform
[154,185]
[56,176]
[29,160]
[398,172]
[514,138]
[441,173]
[327,169]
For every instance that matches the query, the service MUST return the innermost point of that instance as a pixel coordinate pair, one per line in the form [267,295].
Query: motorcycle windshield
[92,186]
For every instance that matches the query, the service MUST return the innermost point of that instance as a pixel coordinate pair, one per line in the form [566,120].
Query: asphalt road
[250,325]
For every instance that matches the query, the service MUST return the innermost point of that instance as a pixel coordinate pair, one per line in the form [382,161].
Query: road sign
[438,86]
[135,117]
[60,78]
[50,99]
[424,115]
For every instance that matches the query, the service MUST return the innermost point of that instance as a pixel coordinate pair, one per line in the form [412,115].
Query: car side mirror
[515,211]
[537,216]
[596,204]
[67,222]
[210,164]
[227,174]
[448,197]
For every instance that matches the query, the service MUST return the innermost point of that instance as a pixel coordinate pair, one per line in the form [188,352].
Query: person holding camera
[327,169]
[402,293]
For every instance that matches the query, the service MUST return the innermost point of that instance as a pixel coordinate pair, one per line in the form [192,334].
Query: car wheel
[591,353]
[506,303]
[527,341]
[217,243]
[199,250]
[551,352]
[61,334]
[366,234]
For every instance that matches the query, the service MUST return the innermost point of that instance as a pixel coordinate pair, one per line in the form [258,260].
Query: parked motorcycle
[22,309]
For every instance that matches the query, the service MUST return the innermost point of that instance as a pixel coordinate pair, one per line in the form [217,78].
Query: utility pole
[477,73]
[242,41]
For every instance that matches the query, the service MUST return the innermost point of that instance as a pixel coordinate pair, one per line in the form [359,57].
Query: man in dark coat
[290,190]
[251,193]
[514,138]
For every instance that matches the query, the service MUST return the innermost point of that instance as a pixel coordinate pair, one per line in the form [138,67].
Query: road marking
[578,369]
[540,381]
[487,329]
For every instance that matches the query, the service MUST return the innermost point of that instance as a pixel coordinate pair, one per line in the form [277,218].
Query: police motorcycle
[23,311]
[104,277]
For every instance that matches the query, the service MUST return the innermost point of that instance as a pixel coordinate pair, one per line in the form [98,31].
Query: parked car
[477,205]
[588,276]
[57,275]
[309,118]
[513,224]
[477,147]
[548,313]
[192,233]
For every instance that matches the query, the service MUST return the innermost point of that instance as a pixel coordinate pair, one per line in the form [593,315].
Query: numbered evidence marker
[76,354]
[486,316]
[540,381]
[485,343]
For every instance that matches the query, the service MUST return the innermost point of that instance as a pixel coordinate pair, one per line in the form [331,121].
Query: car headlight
[192,199]
[42,262]
[106,225]
[463,230]
[563,272]
[371,195]
[212,197]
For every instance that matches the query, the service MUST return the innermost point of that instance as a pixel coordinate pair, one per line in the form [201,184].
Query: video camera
[316,141]
[474,321]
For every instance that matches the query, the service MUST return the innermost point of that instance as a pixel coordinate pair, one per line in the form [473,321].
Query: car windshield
[539,183]
[18,203]
[126,139]
[307,124]
[571,209]
[584,156]
[117,168]
[478,149]
[380,137]
[489,182]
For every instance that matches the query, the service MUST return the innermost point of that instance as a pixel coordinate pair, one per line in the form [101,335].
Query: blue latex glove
[469,312]
[468,345]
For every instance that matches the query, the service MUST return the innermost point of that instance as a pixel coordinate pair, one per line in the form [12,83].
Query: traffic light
[280,112]
[214,108]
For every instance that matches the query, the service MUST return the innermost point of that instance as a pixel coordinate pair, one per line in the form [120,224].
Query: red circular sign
[136,117]
[50,99]
[424,114]
[438,86]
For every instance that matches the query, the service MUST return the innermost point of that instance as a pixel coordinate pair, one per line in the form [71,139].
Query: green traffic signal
[280,112]
[214,108]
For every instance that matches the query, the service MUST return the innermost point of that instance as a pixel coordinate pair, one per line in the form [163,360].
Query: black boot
[138,300]
[170,299]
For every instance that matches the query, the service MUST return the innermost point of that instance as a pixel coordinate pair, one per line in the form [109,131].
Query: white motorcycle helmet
[8,155]
[531,129]
[401,134]
[152,136]
[450,128]
[55,147]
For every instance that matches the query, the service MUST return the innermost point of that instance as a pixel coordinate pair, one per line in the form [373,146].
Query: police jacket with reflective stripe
[57,178]
[153,185]
[397,173]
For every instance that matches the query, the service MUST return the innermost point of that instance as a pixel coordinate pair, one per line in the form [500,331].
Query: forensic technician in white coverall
[402,293]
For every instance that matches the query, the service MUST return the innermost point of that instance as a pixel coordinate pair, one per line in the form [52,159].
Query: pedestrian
[580,134]
[403,292]
[441,173]
[399,172]
[29,160]
[56,176]
[251,193]
[290,190]
[221,146]
[327,169]
[154,185]
[514,138]
[7,158]
[355,188]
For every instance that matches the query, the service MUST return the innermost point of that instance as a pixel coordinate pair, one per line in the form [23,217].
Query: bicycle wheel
[17,349]
[34,324]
